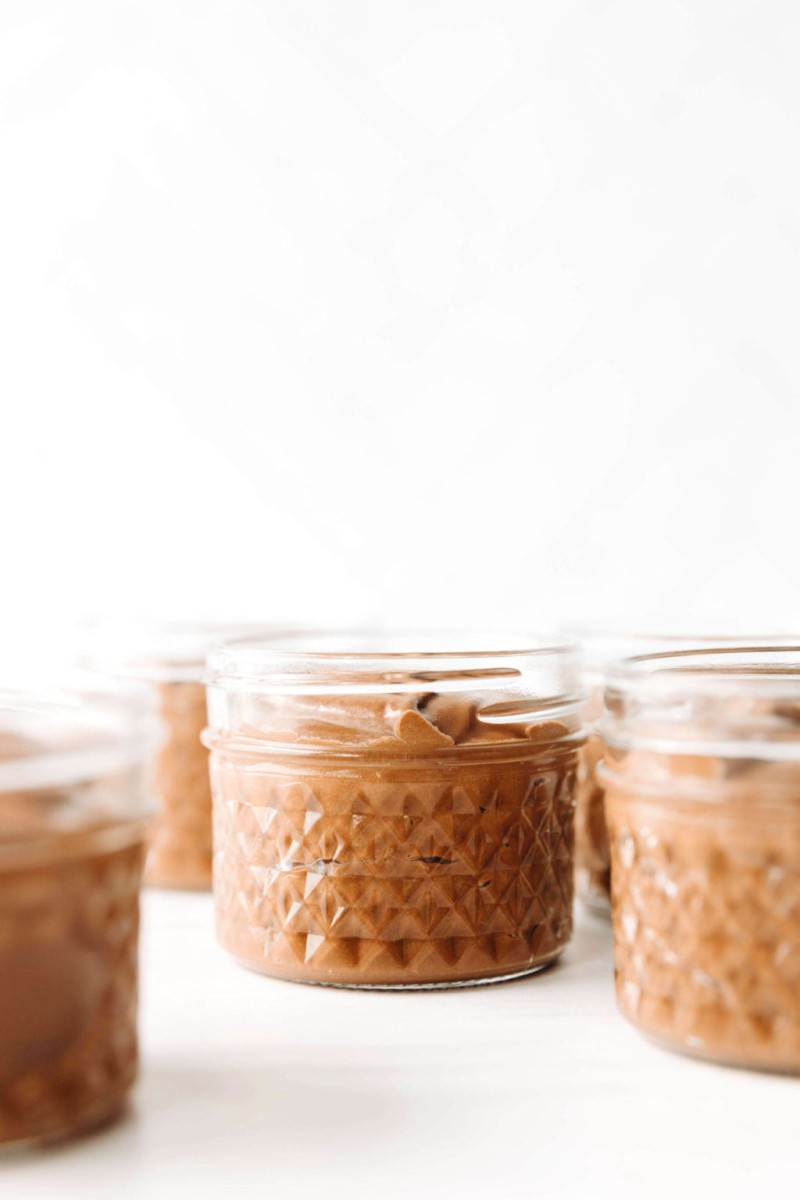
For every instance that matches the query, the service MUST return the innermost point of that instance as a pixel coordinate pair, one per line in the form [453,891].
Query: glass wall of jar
[72,829]
[394,812]
[601,648]
[170,658]
[702,778]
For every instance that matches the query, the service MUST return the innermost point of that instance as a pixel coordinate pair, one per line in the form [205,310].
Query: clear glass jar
[601,650]
[72,829]
[393,812]
[170,658]
[702,778]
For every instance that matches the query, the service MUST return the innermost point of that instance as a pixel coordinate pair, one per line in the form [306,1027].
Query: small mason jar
[170,658]
[394,812]
[601,649]
[702,778]
[72,830]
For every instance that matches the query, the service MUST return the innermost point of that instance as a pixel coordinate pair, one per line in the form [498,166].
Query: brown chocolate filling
[179,851]
[393,840]
[68,969]
[706,906]
[592,852]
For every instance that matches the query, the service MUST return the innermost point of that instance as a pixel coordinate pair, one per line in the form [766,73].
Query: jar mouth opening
[73,731]
[768,669]
[162,651]
[604,647]
[378,659]
[732,702]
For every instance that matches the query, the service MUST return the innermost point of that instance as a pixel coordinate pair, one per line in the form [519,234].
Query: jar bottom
[416,986]
[727,1060]
[95,1120]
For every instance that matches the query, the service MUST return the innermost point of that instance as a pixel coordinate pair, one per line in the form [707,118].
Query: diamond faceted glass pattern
[361,880]
[77,920]
[707,947]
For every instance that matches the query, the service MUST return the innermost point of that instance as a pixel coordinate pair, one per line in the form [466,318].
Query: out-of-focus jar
[601,650]
[393,812]
[72,828]
[702,778]
[170,657]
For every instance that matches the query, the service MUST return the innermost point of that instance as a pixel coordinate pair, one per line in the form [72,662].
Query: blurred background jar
[73,807]
[702,779]
[394,811]
[601,649]
[170,658]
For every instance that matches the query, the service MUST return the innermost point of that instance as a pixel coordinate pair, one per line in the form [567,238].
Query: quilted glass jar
[702,778]
[601,649]
[392,813]
[169,657]
[72,829]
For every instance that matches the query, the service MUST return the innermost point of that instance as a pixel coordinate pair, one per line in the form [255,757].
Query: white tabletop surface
[253,1087]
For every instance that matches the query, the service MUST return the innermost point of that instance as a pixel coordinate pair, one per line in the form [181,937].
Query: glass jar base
[95,1121]
[711,1057]
[433,986]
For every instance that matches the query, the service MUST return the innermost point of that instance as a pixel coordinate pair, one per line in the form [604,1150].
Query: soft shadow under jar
[391,812]
[702,778]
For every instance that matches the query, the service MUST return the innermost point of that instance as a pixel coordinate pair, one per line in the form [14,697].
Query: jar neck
[746,786]
[404,690]
[73,733]
[732,704]
[56,845]
[250,751]
[427,725]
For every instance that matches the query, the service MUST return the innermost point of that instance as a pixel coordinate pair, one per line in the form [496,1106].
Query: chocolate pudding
[170,659]
[179,850]
[396,839]
[68,967]
[70,869]
[592,852]
[706,864]
[601,650]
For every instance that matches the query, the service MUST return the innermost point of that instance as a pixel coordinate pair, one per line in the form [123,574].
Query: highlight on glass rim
[400,663]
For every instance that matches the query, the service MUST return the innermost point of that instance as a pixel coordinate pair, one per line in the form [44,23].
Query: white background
[434,312]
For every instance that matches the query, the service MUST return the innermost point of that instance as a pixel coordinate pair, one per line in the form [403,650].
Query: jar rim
[162,650]
[770,668]
[383,659]
[602,646]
